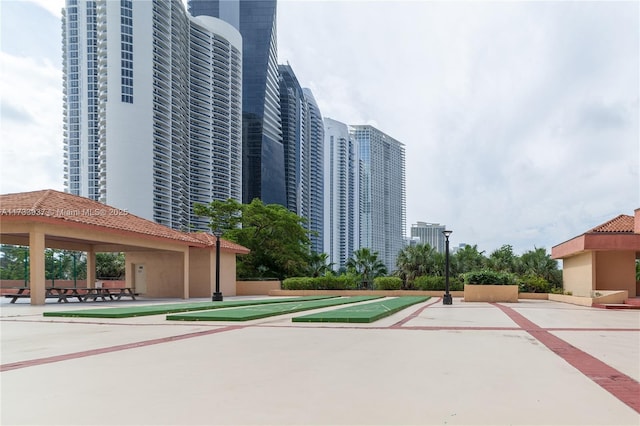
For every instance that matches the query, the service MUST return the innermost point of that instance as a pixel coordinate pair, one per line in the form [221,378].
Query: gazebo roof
[55,207]
[620,224]
[617,234]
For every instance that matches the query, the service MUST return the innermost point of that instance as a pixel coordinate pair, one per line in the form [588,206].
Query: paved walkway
[527,363]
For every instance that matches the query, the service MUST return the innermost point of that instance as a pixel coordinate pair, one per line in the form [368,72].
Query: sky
[520,120]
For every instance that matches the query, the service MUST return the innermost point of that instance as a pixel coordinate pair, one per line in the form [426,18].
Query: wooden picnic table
[82,294]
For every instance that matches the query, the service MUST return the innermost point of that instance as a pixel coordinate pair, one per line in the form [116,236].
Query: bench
[83,294]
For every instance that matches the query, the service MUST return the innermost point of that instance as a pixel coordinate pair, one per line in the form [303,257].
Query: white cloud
[520,119]
[52,6]
[31,126]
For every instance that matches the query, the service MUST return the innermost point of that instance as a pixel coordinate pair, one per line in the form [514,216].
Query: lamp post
[447,299]
[217,296]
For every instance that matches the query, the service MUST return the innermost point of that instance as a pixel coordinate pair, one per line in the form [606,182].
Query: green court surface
[263,311]
[137,311]
[364,313]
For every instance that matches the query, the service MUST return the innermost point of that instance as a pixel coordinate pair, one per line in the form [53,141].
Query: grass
[136,311]
[264,311]
[364,313]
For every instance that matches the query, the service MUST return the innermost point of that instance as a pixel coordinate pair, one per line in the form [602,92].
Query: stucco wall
[490,293]
[202,271]
[164,272]
[615,270]
[578,274]
[227,274]
[256,288]
[199,273]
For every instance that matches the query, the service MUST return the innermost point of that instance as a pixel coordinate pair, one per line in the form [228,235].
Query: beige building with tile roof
[160,262]
[602,258]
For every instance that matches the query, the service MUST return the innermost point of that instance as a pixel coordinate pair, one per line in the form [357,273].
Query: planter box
[490,293]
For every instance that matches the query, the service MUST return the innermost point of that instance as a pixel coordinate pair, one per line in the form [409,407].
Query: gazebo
[160,261]
[602,258]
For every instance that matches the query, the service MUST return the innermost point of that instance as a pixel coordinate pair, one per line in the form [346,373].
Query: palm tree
[318,265]
[467,259]
[503,260]
[416,261]
[367,265]
[406,267]
[539,262]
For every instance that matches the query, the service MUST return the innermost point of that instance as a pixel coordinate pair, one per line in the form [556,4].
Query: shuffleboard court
[264,311]
[364,313]
[137,311]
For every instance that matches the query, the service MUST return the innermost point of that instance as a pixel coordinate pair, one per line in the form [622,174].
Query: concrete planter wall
[602,298]
[256,288]
[490,293]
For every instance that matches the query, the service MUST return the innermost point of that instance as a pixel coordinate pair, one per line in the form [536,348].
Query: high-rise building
[382,193]
[263,151]
[341,193]
[302,136]
[294,132]
[429,233]
[152,108]
[315,179]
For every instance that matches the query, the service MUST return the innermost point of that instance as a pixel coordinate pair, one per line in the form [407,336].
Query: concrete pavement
[527,363]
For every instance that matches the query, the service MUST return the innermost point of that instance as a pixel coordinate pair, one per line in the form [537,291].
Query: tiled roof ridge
[620,224]
[45,194]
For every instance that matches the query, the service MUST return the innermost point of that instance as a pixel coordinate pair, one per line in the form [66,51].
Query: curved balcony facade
[155,89]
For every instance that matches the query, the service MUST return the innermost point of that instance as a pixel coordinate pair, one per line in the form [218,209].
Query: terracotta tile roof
[56,206]
[620,224]
[210,240]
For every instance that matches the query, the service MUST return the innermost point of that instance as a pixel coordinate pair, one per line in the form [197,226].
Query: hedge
[489,277]
[387,283]
[328,282]
[533,284]
[437,283]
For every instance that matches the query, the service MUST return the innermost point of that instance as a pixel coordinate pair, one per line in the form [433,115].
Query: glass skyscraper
[303,140]
[294,130]
[263,151]
[382,193]
[315,175]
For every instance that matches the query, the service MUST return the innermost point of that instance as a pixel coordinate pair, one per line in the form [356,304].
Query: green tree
[59,264]
[318,265]
[538,262]
[503,260]
[366,265]
[223,215]
[14,262]
[110,265]
[277,238]
[416,261]
[467,259]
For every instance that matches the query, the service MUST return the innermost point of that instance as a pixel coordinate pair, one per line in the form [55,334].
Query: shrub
[327,282]
[488,277]
[437,283]
[298,283]
[387,283]
[533,284]
[331,282]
